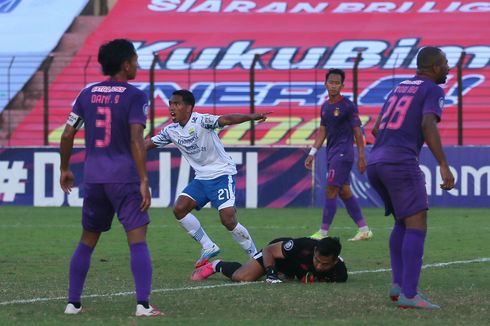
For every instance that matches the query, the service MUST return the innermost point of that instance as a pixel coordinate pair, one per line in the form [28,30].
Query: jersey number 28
[396,111]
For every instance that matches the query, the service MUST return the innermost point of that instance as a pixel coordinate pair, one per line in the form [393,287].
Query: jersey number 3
[105,123]
[396,111]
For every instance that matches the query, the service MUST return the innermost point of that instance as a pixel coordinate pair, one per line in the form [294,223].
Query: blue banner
[267,177]
[470,166]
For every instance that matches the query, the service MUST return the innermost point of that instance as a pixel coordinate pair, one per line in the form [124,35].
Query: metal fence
[47,98]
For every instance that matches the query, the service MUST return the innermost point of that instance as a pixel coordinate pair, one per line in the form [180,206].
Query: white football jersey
[200,145]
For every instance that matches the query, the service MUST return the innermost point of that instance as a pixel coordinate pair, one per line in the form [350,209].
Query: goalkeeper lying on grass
[308,260]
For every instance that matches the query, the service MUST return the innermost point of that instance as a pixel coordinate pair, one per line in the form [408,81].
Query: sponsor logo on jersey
[108,89]
[289,245]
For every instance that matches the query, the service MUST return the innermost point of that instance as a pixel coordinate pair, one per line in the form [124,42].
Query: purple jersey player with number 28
[407,120]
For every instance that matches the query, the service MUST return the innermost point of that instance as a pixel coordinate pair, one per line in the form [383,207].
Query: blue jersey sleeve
[162,139]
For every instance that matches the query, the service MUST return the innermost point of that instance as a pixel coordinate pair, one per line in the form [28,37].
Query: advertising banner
[208,46]
[267,177]
[469,165]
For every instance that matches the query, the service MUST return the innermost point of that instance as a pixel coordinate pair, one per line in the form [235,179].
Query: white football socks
[243,238]
[193,227]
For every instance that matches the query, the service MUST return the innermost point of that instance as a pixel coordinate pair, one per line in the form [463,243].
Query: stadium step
[25,100]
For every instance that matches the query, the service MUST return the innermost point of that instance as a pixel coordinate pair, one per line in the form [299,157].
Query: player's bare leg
[249,272]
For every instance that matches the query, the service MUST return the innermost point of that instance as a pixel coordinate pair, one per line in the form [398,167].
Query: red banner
[208,47]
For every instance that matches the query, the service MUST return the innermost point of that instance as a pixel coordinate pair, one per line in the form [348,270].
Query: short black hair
[335,71]
[329,246]
[187,96]
[427,57]
[113,54]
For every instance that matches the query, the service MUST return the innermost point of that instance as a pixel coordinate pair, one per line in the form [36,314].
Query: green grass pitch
[37,243]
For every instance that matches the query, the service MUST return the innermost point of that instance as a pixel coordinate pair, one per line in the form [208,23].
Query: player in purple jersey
[340,122]
[115,178]
[408,118]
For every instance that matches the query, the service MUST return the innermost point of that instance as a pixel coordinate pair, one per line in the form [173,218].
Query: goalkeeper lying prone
[305,259]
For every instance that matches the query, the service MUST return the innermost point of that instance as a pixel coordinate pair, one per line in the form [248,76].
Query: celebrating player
[340,122]
[306,259]
[193,134]
[408,118]
[115,178]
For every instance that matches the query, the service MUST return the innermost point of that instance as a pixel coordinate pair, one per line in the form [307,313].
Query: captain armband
[313,151]
[75,121]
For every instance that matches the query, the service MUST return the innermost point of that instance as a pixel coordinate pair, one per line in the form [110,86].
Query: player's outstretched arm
[66,146]
[433,140]
[149,145]
[361,161]
[269,255]
[139,157]
[236,118]
[321,135]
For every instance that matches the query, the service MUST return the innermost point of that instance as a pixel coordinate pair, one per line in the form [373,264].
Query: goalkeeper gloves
[272,277]
[308,278]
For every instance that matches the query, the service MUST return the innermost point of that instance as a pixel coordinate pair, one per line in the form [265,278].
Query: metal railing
[298,94]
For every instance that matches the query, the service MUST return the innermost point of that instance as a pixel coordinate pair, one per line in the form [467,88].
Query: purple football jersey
[340,118]
[108,109]
[400,136]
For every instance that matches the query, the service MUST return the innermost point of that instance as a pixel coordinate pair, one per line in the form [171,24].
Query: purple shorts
[339,171]
[401,187]
[102,200]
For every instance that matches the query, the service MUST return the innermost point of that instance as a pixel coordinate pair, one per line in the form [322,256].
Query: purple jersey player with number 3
[115,177]
[409,118]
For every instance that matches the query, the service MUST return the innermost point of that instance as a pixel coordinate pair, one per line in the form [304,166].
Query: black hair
[329,246]
[427,57]
[187,96]
[335,71]
[113,54]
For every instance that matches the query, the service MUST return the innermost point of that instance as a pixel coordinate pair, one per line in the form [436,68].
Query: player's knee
[345,193]
[332,192]
[228,218]
[229,223]
[180,211]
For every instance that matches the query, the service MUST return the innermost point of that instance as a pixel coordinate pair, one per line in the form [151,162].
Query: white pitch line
[204,287]
[457,262]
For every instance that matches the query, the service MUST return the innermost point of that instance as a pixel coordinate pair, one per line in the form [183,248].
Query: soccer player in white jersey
[193,134]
